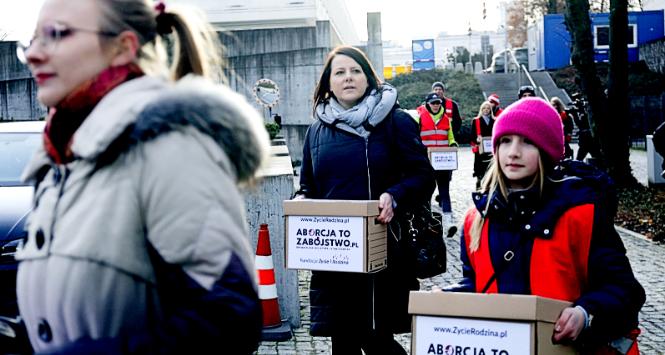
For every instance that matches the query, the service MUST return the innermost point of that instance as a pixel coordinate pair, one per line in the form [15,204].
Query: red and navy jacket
[565,247]
[480,128]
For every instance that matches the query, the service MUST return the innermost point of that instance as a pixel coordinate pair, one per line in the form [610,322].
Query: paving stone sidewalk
[647,260]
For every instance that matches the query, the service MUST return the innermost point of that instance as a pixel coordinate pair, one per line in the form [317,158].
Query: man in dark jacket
[456,119]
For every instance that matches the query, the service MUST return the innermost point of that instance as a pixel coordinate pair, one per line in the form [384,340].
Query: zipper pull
[57,175]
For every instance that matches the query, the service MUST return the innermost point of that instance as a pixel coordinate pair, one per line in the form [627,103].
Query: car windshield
[16,149]
[521,54]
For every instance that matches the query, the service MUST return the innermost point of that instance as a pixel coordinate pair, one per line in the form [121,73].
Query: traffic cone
[273,329]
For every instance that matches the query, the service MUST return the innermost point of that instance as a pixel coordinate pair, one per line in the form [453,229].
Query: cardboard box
[485,145]
[335,235]
[474,323]
[443,158]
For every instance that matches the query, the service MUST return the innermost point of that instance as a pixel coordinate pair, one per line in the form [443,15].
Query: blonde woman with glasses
[137,242]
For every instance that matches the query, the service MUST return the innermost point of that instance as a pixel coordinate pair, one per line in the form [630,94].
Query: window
[16,149]
[602,36]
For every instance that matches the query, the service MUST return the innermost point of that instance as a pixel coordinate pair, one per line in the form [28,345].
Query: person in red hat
[496,104]
[544,226]
[567,125]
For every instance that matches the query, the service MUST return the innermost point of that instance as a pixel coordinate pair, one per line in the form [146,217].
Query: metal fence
[646,113]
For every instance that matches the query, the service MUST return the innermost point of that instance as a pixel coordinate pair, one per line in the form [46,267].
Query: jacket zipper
[369,189]
[369,181]
[60,178]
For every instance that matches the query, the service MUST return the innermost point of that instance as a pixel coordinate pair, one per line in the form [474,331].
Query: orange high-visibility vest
[435,134]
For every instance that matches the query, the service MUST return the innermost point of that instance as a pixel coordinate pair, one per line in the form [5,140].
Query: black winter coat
[340,165]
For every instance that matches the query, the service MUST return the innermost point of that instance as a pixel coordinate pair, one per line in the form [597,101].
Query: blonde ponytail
[195,45]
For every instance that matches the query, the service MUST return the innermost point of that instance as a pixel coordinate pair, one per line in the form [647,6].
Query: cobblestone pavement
[647,259]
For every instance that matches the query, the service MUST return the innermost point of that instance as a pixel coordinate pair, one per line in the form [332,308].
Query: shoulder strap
[507,258]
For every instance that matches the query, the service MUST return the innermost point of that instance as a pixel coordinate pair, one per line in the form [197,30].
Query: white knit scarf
[372,109]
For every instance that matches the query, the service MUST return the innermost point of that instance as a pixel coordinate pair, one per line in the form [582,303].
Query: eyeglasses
[437,102]
[50,37]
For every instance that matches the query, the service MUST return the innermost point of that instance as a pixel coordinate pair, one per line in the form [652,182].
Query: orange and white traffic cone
[273,329]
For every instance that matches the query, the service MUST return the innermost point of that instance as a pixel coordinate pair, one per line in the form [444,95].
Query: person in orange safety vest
[436,131]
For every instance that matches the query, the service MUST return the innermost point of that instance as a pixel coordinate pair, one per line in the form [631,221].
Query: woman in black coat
[362,147]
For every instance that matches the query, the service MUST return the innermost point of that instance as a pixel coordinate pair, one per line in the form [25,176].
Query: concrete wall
[653,54]
[18,91]
[264,205]
[292,58]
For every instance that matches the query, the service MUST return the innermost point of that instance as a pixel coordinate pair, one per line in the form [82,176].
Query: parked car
[522,56]
[498,63]
[18,142]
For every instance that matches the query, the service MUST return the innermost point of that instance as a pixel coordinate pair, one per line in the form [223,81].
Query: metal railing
[523,71]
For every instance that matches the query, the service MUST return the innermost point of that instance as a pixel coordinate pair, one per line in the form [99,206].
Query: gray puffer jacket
[140,245]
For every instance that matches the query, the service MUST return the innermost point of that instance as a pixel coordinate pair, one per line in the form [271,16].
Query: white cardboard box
[485,145]
[443,158]
[473,323]
[335,235]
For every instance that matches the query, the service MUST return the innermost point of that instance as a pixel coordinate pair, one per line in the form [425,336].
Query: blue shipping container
[551,39]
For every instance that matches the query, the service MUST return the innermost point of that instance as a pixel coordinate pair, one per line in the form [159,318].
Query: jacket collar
[112,115]
[118,110]
[569,184]
[523,209]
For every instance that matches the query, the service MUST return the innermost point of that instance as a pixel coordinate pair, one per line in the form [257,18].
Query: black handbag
[420,235]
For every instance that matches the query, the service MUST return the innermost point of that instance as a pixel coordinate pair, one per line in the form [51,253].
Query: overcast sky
[402,20]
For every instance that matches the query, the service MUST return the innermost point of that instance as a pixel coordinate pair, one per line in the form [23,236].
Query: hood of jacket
[144,108]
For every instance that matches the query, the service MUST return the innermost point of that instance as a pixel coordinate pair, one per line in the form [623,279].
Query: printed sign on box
[476,323]
[445,335]
[334,235]
[325,242]
[486,145]
[443,158]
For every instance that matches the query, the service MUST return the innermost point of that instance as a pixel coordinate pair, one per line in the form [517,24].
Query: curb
[634,234]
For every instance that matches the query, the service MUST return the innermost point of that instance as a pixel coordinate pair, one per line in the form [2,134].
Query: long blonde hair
[495,180]
[195,46]
[480,109]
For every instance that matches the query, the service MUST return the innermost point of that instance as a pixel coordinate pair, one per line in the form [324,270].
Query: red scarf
[65,118]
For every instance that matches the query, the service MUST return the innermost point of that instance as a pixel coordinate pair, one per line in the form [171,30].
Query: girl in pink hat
[543,226]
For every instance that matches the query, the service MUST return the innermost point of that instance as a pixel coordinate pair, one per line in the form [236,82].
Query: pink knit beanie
[535,119]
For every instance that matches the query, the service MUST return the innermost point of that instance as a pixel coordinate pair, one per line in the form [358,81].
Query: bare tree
[534,9]
[582,56]
[617,145]
[608,127]
[517,24]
